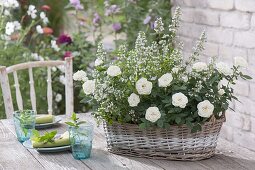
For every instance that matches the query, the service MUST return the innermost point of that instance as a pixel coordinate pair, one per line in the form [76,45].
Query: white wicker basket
[177,143]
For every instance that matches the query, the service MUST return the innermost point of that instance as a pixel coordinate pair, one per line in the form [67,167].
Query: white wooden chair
[6,90]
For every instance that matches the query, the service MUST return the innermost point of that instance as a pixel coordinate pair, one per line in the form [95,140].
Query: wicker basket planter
[177,143]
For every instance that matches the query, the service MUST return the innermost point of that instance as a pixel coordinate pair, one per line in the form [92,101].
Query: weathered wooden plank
[13,155]
[52,161]
[32,89]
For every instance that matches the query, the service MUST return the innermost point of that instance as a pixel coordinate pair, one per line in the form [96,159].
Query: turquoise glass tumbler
[81,140]
[24,122]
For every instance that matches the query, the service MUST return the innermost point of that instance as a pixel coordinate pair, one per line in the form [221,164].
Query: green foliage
[48,137]
[75,123]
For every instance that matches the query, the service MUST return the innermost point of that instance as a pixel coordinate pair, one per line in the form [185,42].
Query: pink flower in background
[76,4]
[64,39]
[96,19]
[67,54]
[113,9]
[116,26]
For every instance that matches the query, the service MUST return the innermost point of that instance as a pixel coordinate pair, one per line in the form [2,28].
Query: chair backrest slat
[18,93]
[69,86]
[32,89]
[49,90]
[6,90]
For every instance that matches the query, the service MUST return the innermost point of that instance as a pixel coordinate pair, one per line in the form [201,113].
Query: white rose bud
[240,61]
[98,62]
[143,86]
[89,87]
[133,100]
[205,109]
[165,80]
[113,71]
[221,92]
[152,114]
[179,100]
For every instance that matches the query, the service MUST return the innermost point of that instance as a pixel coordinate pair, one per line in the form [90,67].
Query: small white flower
[159,25]
[37,57]
[89,87]
[80,76]
[7,12]
[179,100]
[32,11]
[152,114]
[62,79]
[165,80]
[44,18]
[221,92]
[185,78]
[199,66]
[175,70]
[133,100]
[9,28]
[39,29]
[58,97]
[143,86]
[98,62]
[54,45]
[205,108]
[113,71]
[240,61]
[223,68]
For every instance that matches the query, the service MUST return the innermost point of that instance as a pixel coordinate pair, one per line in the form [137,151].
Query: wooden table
[14,156]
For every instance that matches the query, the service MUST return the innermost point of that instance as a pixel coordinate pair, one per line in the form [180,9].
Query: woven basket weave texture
[176,143]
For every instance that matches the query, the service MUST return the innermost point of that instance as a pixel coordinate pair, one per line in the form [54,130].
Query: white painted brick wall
[230,28]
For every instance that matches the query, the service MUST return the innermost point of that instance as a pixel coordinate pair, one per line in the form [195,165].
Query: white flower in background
[199,66]
[54,69]
[58,97]
[222,83]
[9,28]
[44,18]
[36,56]
[159,25]
[152,114]
[205,108]
[133,100]
[143,86]
[89,87]
[223,68]
[240,61]
[175,70]
[165,80]
[9,3]
[179,100]
[113,71]
[221,92]
[153,78]
[80,76]
[98,62]
[39,29]
[76,53]
[32,11]
[54,45]
[62,79]
[17,25]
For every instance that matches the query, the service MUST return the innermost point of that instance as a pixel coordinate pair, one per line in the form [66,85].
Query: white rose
[143,86]
[152,114]
[80,76]
[205,109]
[221,92]
[133,100]
[199,66]
[240,61]
[89,87]
[165,80]
[113,71]
[223,68]
[179,100]
[98,62]
[185,78]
